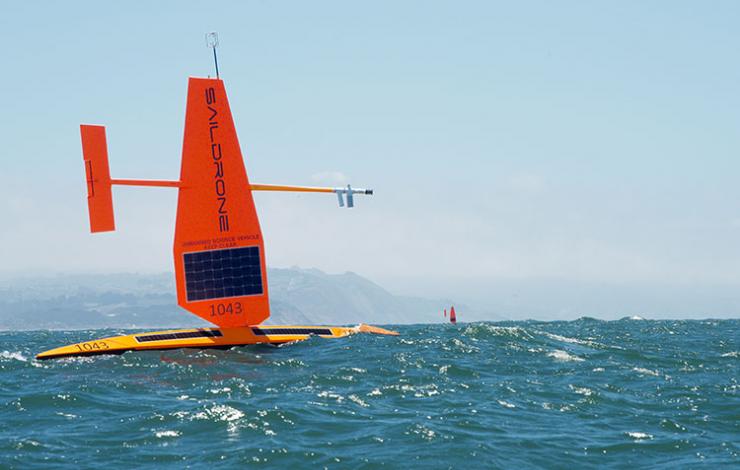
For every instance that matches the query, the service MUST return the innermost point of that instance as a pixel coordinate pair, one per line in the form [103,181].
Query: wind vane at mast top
[212,42]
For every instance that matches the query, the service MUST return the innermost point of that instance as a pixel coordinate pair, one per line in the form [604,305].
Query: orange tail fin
[97,173]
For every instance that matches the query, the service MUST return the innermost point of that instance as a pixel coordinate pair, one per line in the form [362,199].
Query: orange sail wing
[219,252]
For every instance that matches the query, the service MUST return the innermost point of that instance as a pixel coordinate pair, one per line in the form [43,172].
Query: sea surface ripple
[584,393]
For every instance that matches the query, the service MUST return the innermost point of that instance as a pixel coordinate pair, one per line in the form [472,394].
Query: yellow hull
[206,338]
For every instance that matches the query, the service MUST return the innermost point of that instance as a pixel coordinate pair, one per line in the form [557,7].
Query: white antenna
[212,42]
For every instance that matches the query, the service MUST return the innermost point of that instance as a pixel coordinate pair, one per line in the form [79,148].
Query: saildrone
[219,249]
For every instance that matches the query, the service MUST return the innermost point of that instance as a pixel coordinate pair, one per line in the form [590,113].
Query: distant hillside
[306,296]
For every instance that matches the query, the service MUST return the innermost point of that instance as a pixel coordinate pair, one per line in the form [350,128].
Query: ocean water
[585,393]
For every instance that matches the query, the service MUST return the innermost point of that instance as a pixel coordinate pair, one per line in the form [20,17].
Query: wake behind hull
[205,338]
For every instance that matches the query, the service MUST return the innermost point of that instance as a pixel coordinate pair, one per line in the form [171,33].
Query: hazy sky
[572,142]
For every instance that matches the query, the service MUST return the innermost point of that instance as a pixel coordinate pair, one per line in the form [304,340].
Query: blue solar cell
[217,274]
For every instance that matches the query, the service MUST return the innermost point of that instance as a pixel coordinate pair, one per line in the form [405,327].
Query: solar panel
[218,274]
[179,335]
[291,331]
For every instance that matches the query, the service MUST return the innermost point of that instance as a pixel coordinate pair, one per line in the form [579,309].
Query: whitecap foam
[516,331]
[587,392]
[425,432]
[640,436]
[167,433]
[466,348]
[27,442]
[13,355]
[731,354]
[582,342]
[227,414]
[355,399]
[564,356]
[506,404]
[644,371]
[327,394]
[566,339]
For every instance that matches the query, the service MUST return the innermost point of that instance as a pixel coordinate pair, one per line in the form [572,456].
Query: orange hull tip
[363,328]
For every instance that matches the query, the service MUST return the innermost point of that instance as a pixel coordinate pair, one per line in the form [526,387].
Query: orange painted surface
[297,189]
[156,183]
[453,316]
[253,187]
[225,337]
[97,174]
[215,209]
